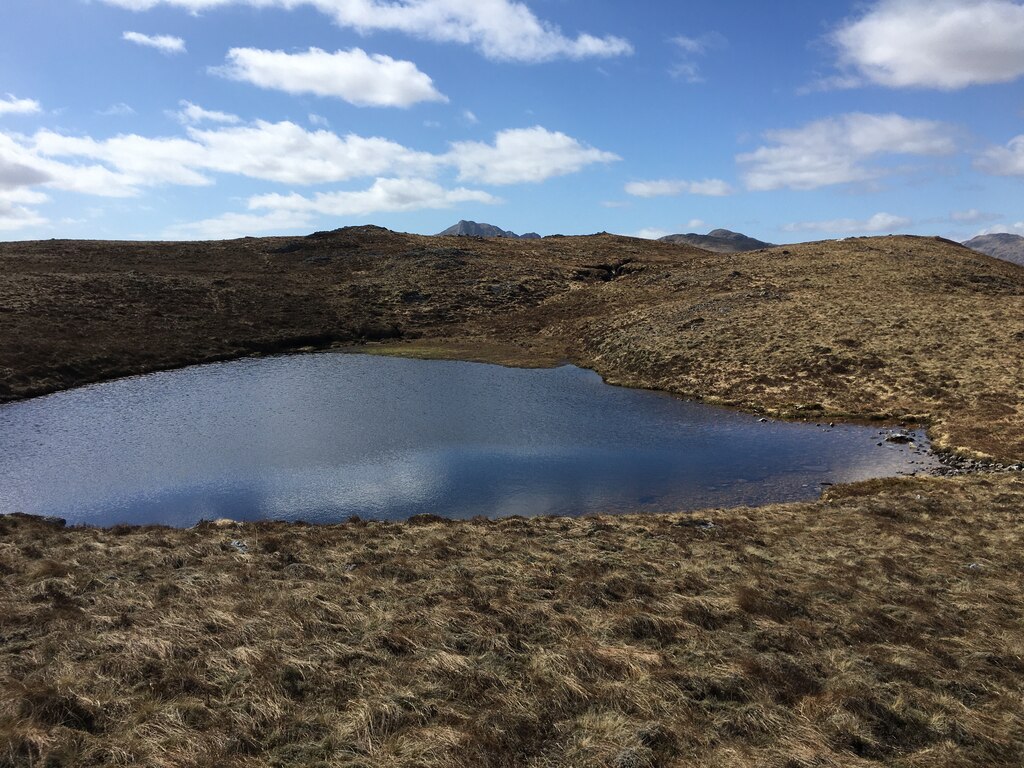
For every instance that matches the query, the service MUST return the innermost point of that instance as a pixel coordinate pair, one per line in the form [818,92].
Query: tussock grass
[883,625]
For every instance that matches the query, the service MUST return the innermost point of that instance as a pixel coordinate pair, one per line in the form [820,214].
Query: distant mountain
[472,229]
[719,240]
[1002,246]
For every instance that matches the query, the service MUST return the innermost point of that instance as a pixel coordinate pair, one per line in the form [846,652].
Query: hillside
[1002,246]
[719,241]
[892,326]
[878,626]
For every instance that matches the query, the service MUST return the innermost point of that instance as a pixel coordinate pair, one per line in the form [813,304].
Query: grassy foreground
[883,625]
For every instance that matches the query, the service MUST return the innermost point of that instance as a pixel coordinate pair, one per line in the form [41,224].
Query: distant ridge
[719,240]
[473,229]
[1002,246]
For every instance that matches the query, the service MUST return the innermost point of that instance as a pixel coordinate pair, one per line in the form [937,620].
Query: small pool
[322,437]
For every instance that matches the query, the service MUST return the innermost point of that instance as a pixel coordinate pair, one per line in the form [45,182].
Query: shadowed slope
[1002,246]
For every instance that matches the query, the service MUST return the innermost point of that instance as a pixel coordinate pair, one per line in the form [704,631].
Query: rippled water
[322,437]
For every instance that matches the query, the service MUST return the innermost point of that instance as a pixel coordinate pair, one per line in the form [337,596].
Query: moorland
[880,625]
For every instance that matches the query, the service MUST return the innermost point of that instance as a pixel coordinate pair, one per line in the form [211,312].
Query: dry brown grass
[894,327]
[881,626]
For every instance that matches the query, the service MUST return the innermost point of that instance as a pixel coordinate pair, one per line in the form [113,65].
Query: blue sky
[185,119]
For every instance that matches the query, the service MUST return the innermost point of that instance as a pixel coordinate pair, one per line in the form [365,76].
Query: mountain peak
[473,229]
[1001,245]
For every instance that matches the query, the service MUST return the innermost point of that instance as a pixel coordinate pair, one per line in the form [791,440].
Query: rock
[900,438]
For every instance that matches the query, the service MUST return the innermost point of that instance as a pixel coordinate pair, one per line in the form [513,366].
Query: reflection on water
[326,436]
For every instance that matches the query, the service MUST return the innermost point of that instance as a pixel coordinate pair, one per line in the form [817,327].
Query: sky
[788,121]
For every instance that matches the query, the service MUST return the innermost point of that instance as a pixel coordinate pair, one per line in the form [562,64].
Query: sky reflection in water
[325,436]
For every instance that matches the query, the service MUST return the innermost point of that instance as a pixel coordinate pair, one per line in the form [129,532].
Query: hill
[896,326]
[878,626]
[719,241]
[1002,246]
[473,229]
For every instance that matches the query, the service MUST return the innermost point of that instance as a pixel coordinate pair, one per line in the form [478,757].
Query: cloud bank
[503,30]
[840,150]
[676,187]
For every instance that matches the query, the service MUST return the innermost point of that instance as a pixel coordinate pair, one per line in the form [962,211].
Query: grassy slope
[868,327]
[883,626]
[851,631]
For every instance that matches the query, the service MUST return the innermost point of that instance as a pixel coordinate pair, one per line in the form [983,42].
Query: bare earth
[882,625]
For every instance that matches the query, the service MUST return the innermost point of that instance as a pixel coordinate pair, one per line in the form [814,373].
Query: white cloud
[695,45]
[690,48]
[837,150]
[652,233]
[1013,229]
[283,153]
[973,216]
[21,165]
[946,44]
[294,211]
[695,224]
[289,154]
[675,187]
[117,110]
[11,105]
[136,160]
[470,117]
[686,70]
[524,155]
[230,225]
[15,197]
[354,76]
[500,29]
[13,216]
[193,114]
[15,174]
[385,196]
[880,222]
[318,120]
[1004,161]
[163,43]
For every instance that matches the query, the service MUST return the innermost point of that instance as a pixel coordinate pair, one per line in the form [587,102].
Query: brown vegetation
[898,326]
[883,625]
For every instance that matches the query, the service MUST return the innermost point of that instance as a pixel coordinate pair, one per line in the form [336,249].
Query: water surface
[321,437]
